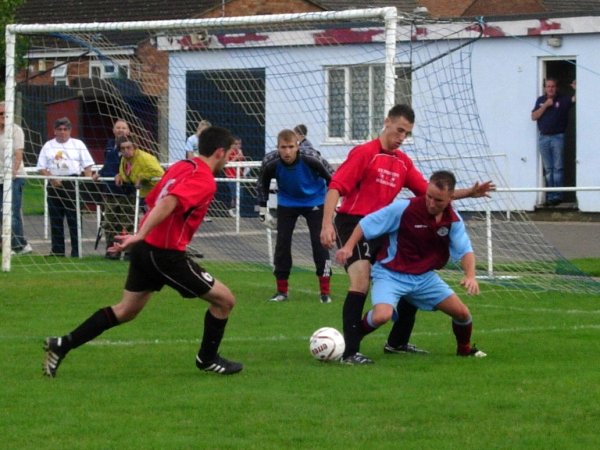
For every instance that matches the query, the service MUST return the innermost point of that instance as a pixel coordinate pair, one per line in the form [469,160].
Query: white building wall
[506,81]
[293,96]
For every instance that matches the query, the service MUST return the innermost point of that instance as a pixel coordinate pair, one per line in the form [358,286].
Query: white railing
[240,180]
[488,216]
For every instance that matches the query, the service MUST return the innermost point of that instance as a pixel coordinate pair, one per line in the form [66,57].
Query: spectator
[191,145]
[118,201]
[63,156]
[236,154]
[18,244]
[301,133]
[551,111]
[138,168]
[302,177]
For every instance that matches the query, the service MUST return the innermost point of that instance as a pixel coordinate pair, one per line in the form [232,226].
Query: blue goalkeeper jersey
[301,184]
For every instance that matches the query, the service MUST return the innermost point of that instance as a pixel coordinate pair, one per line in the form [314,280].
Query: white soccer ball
[327,344]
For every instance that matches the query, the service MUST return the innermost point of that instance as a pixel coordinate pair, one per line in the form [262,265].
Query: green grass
[33,198]
[590,266]
[136,386]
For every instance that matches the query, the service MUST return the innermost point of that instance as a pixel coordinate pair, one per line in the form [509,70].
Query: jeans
[232,187]
[18,240]
[551,150]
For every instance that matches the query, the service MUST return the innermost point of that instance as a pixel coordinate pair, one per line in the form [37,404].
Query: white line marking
[108,342]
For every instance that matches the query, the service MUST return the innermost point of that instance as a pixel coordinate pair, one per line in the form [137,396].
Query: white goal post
[336,72]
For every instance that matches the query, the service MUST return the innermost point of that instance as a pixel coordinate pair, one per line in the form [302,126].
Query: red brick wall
[151,69]
[258,7]
[446,8]
[501,7]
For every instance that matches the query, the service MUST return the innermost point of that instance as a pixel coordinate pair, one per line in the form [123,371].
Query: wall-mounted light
[554,41]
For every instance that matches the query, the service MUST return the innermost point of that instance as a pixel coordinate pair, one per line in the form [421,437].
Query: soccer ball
[327,344]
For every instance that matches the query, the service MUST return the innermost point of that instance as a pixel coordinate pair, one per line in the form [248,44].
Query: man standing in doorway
[551,111]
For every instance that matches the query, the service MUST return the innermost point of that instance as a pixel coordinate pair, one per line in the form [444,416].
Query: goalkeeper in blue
[422,234]
[302,177]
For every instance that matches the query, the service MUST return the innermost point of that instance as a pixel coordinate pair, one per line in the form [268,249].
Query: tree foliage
[7,16]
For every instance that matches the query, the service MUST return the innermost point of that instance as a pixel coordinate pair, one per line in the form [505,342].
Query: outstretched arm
[160,212]
[475,191]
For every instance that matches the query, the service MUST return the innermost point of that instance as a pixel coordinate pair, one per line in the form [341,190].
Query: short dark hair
[402,111]
[286,136]
[443,179]
[122,139]
[301,129]
[63,122]
[214,138]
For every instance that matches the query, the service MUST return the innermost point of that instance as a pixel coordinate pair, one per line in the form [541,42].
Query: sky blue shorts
[424,291]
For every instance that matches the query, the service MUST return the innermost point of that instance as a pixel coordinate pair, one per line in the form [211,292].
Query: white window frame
[60,74]
[347,96]
[103,65]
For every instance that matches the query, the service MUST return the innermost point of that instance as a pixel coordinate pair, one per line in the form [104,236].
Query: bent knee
[462,315]
[228,302]
[222,299]
[382,314]
[124,313]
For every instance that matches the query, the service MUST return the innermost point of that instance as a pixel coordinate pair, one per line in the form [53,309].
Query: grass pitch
[136,386]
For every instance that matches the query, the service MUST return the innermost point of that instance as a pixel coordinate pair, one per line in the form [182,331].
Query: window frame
[60,74]
[117,65]
[371,82]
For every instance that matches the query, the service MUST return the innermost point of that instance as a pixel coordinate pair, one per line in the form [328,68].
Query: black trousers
[286,222]
[62,205]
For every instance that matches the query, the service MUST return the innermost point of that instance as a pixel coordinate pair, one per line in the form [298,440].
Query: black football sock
[95,325]
[403,326]
[211,339]
[352,316]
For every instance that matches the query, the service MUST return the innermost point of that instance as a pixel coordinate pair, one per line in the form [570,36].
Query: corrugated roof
[578,6]
[57,11]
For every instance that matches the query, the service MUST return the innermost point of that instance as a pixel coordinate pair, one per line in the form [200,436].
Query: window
[356,99]
[109,69]
[59,73]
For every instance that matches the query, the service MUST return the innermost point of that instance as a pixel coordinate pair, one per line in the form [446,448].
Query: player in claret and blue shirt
[177,206]
[372,176]
[420,235]
[302,176]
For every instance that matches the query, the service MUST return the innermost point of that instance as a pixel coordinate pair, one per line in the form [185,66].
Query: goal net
[336,72]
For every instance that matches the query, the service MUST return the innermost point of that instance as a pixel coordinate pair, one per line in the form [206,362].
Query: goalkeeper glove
[266,218]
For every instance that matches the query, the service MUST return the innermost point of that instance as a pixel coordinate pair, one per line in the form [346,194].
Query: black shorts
[345,224]
[150,268]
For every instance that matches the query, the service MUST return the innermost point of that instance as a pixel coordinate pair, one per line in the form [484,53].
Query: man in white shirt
[63,156]
[18,243]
